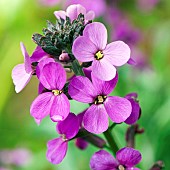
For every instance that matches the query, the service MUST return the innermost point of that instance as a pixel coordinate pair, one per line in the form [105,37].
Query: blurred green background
[19,19]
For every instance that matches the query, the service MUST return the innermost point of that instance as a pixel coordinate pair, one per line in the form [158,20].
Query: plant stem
[111,141]
[77,68]
[112,126]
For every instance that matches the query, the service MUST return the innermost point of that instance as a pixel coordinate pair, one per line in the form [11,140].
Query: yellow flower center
[64,137]
[99,55]
[120,167]
[57,92]
[100,99]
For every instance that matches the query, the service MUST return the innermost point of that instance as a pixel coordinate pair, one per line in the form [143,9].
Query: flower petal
[60,14]
[38,54]
[20,77]
[118,108]
[118,53]
[81,89]
[80,118]
[41,105]
[103,160]
[95,119]
[56,150]
[74,10]
[97,33]
[27,60]
[134,116]
[60,108]
[40,88]
[104,87]
[128,157]
[103,70]
[90,15]
[83,49]
[41,64]
[53,76]
[69,127]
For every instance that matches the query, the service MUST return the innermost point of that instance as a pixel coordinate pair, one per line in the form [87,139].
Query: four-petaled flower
[54,101]
[92,46]
[73,11]
[95,119]
[126,159]
[57,148]
[22,73]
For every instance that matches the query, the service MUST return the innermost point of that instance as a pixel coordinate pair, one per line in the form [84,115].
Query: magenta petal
[40,88]
[81,89]
[60,108]
[83,49]
[69,127]
[41,64]
[53,76]
[97,33]
[128,157]
[41,105]
[38,54]
[80,117]
[134,116]
[104,87]
[95,119]
[27,60]
[90,15]
[118,53]
[56,150]
[103,70]
[81,143]
[74,10]
[103,160]
[60,14]
[38,121]
[118,108]
[132,168]
[20,77]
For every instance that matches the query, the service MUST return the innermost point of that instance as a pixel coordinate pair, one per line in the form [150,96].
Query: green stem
[112,126]
[77,68]
[111,141]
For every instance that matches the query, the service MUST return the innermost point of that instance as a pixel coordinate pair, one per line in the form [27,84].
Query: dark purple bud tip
[158,166]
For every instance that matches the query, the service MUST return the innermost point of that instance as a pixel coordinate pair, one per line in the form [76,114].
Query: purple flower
[92,46]
[95,119]
[98,6]
[54,101]
[22,73]
[18,157]
[57,148]
[135,114]
[124,31]
[126,159]
[73,11]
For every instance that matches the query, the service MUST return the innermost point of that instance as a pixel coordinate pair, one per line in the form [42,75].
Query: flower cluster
[77,44]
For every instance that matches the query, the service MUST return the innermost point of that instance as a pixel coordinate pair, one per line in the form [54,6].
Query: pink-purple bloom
[126,159]
[22,73]
[135,114]
[73,11]
[57,148]
[92,46]
[98,6]
[96,93]
[53,101]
